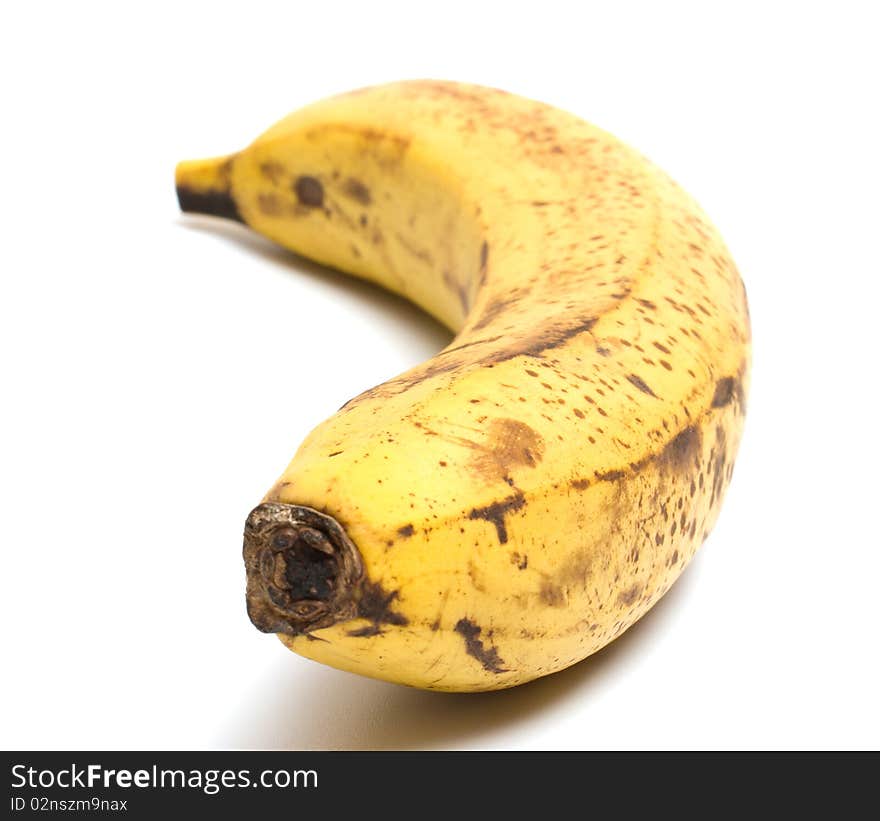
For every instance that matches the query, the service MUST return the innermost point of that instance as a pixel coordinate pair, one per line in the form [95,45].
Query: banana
[516,502]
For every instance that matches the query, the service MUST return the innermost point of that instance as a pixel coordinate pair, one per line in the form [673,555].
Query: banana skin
[513,504]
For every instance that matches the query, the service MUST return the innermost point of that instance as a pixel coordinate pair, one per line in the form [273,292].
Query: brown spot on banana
[573,574]
[628,597]
[640,384]
[726,390]
[356,190]
[274,172]
[509,444]
[682,452]
[309,191]
[374,604]
[551,594]
[610,475]
[474,646]
[521,561]
[496,512]
[270,204]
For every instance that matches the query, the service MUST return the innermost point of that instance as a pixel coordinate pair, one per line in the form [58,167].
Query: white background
[142,414]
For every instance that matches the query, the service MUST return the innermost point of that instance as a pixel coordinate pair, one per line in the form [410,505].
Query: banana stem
[204,187]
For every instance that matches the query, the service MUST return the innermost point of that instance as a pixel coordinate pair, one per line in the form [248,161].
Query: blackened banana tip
[212,201]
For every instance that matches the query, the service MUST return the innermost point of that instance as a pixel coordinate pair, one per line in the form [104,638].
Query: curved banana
[512,505]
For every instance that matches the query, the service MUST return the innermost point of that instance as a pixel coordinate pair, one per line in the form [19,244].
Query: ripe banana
[515,503]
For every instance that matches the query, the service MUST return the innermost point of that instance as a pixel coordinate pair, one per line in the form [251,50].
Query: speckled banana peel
[516,502]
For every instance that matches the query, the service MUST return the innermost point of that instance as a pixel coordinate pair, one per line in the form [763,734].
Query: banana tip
[204,187]
[302,569]
[212,202]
